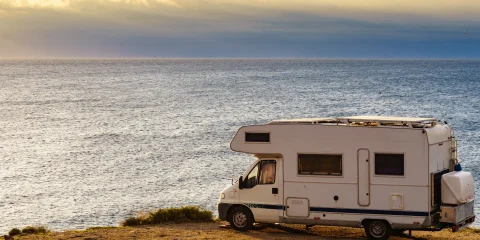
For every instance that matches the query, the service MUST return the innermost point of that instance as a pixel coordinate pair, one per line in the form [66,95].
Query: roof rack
[308,121]
[395,122]
[365,121]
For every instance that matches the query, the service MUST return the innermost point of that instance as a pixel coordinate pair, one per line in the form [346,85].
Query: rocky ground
[214,231]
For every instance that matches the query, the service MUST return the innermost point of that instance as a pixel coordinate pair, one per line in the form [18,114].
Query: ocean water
[90,142]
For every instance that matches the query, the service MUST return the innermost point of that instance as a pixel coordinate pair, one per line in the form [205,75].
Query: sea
[90,142]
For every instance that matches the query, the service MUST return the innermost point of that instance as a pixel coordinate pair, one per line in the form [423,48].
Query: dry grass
[213,231]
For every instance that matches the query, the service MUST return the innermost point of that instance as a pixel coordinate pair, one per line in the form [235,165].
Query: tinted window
[389,164]
[257,137]
[320,164]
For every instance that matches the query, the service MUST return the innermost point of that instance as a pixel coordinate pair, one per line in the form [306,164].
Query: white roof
[387,119]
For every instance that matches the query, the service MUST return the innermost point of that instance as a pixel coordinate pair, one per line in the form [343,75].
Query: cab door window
[263,173]
[267,172]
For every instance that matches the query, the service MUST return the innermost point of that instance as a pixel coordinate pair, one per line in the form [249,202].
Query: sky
[240,28]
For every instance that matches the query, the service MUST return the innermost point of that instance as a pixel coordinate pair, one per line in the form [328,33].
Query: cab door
[260,191]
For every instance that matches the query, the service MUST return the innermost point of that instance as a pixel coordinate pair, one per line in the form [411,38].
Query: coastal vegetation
[34,230]
[177,215]
[15,231]
[28,230]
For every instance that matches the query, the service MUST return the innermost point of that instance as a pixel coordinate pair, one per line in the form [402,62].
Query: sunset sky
[234,28]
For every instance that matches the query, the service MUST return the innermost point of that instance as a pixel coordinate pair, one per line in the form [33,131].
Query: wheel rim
[240,219]
[378,228]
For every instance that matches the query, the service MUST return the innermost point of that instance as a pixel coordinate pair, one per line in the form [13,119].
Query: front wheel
[378,229]
[240,218]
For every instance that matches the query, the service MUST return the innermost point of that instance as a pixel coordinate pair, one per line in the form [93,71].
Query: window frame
[390,175]
[320,175]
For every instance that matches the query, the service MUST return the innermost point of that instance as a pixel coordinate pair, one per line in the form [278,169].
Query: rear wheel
[378,229]
[240,218]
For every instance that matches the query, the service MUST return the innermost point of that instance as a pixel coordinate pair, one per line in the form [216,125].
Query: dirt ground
[214,231]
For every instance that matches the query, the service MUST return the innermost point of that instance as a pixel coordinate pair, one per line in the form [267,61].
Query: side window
[267,172]
[257,137]
[389,164]
[251,180]
[263,173]
[320,164]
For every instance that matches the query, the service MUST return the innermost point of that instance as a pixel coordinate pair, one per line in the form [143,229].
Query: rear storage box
[457,188]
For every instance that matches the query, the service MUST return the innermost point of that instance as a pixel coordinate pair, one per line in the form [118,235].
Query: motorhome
[385,174]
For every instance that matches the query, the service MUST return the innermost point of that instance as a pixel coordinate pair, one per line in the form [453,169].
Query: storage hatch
[298,207]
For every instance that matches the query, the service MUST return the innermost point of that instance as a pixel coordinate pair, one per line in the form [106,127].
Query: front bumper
[222,210]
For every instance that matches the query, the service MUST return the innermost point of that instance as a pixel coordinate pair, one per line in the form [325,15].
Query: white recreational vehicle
[385,174]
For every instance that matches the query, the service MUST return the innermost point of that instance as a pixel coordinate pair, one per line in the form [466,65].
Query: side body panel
[404,200]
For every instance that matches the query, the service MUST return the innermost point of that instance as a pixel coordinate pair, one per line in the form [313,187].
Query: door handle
[274,190]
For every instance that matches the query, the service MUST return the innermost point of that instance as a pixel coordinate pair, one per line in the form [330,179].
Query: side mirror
[240,182]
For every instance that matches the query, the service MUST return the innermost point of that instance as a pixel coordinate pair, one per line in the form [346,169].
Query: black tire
[240,218]
[378,229]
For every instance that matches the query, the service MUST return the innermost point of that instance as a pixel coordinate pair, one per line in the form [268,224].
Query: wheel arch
[229,211]
[365,221]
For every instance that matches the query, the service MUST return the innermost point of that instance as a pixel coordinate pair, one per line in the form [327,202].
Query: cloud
[353,9]
[166,27]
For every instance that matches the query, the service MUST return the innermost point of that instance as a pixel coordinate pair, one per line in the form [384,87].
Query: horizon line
[238,58]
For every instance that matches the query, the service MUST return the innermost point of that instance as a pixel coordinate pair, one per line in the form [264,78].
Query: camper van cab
[386,174]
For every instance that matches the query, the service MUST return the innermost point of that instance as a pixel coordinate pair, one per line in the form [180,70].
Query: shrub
[131,221]
[178,215]
[34,230]
[14,231]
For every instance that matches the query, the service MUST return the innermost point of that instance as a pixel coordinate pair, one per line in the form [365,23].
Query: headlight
[222,196]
